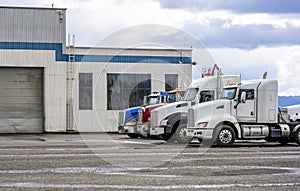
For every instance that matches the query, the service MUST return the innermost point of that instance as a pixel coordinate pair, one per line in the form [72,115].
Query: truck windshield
[229,93]
[190,94]
[171,98]
[152,100]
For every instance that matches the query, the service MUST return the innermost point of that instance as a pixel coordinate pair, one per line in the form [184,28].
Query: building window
[127,90]
[85,91]
[171,82]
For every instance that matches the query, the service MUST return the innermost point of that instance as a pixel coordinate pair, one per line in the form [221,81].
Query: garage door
[21,100]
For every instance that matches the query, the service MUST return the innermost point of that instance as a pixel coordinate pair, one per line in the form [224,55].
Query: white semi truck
[247,111]
[294,112]
[170,121]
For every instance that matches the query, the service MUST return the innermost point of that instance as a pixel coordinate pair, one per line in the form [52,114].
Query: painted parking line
[158,153]
[135,171]
[145,187]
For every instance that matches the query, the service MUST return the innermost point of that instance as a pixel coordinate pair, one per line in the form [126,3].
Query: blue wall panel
[59,56]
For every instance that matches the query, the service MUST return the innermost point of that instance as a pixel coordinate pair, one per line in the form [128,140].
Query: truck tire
[132,135]
[165,136]
[284,141]
[225,136]
[297,136]
[200,140]
[180,135]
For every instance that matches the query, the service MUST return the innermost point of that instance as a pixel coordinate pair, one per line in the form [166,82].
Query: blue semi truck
[128,117]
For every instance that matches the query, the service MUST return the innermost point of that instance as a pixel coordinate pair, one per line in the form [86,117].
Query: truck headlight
[164,122]
[130,123]
[202,125]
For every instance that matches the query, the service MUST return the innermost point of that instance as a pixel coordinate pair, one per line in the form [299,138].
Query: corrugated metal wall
[32,25]
[29,37]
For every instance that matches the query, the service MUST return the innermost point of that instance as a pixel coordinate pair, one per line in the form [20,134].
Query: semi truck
[170,121]
[247,110]
[128,117]
[144,112]
[293,111]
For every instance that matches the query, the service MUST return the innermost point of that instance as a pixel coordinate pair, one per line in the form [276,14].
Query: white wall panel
[55,97]
[101,120]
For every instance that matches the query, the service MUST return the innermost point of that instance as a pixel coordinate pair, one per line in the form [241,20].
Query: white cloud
[288,67]
[277,21]
[91,21]
[282,63]
[251,64]
[218,26]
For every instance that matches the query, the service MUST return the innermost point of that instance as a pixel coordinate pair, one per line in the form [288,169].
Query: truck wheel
[132,135]
[225,136]
[297,136]
[180,135]
[283,141]
[165,136]
[200,140]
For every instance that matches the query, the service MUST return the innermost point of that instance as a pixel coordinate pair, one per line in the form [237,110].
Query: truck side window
[206,96]
[249,93]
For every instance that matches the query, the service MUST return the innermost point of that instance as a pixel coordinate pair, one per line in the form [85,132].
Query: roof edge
[24,7]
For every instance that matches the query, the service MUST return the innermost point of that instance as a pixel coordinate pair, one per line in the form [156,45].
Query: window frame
[85,84]
[212,94]
[169,79]
[128,85]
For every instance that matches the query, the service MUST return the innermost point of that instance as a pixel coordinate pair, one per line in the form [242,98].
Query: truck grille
[191,118]
[140,115]
[121,118]
[154,119]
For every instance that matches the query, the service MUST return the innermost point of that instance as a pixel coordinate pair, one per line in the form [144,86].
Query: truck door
[207,95]
[246,111]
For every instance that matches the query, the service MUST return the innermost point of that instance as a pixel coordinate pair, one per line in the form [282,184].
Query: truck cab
[293,111]
[169,121]
[128,117]
[246,111]
[144,112]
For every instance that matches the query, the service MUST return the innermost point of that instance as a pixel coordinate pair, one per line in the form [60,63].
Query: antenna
[265,75]
[73,39]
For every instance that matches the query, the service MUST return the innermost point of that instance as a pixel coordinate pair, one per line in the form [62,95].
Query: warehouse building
[49,86]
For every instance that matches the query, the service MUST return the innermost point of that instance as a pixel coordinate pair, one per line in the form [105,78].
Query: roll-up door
[21,100]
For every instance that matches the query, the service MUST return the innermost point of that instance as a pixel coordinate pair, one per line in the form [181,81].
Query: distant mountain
[288,100]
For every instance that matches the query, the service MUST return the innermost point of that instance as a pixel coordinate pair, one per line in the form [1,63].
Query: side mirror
[243,97]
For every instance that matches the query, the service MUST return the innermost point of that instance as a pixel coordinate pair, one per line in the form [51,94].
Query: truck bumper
[143,129]
[121,130]
[130,129]
[157,130]
[200,133]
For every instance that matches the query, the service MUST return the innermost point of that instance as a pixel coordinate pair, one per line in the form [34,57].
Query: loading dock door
[21,100]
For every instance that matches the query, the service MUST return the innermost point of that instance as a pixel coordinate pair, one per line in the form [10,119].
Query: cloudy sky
[246,37]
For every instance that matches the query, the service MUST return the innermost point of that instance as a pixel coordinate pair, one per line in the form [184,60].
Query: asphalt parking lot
[116,162]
